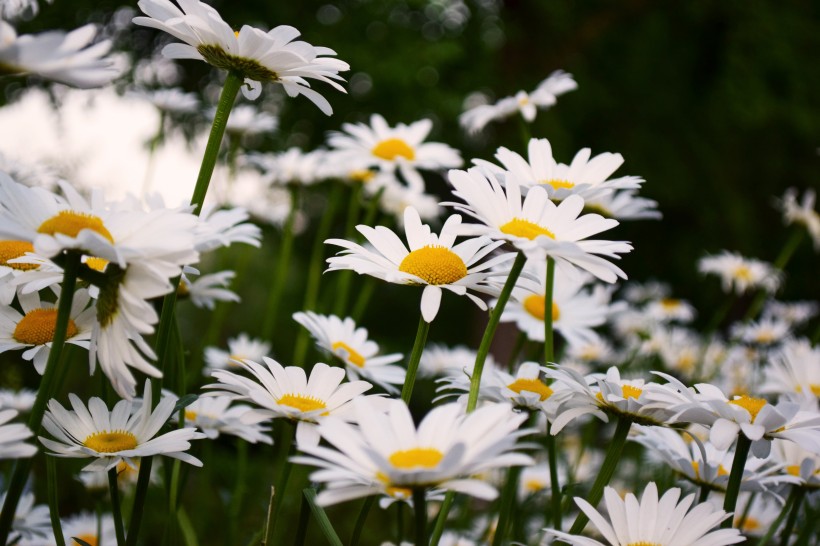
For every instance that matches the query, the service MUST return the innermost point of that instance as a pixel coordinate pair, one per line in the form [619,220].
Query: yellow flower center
[686,362]
[518,227]
[97,264]
[349,354]
[559,184]
[111,442]
[88,539]
[644,543]
[531,385]
[392,148]
[532,485]
[750,404]
[670,304]
[37,327]
[765,337]
[814,388]
[399,492]
[751,524]
[631,392]
[361,175]
[793,469]
[743,273]
[420,457]
[190,415]
[721,470]
[10,250]
[534,305]
[68,222]
[301,402]
[435,264]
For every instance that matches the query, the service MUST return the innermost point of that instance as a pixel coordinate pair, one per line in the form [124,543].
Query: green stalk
[22,467]
[549,338]
[780,263]
[441,519]
[53,502]
[282,263]
[520,341]
[287,446]
[415,358]
[787,530]
[704,493]
[736,476]
[360,521]
[400,522]
[235,508]
[613,455]
[555,486]
[420,511]
[489,332]
[321,518]
[114,490]
[780,517]
[302,525]
[140,495]
[506,505]
[365,294]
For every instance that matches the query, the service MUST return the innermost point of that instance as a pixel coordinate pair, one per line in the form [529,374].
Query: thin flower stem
[360,521]
[506,505]
[704,493]
[735,477]
[365,293]
[140,495]
[420,512]
[780,517]
[302,525]
[235,508]
[549,339]
[555,485]
[22,467]
[53,503]
[613,455]
[489,332]
[780,263]
[113,489]
[441,519]
[321,518]
[415,358]
[400,522]
[787,530]
[287,446]
[282,263]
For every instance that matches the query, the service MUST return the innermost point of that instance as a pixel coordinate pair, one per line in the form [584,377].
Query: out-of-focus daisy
[350,344]
[527,104]
[763,332]
[66,58]
[20,400]
[11,9]
[242,347]
[795,313]
[219,228]
[256,55]
[10,269]
[118,435]
[214,415]
[797,462]
[739,274]
[670,309]
[31,523]
[248,120]
[387,451]
[33,331]
[291,167]
[399,148]
[396,198]
[537,225]
[127,476]
[438,359]
[624,205]
[88,528]
[793,368]
[289,394]
[206,290]
[595,350]
[681,351]
[173,101]
[664,522]
[757,519]
[795,212]
[12,436]
[434,261]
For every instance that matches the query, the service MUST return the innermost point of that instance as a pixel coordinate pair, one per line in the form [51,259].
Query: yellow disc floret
[111,442]
[68,222]
[392,148]
[37,327]
[350,354]
[531,385]
[435,264]
[419,457]
[301,402]
[97,264]
[91,540]
[518,227]
[534,305]
[631,392]
[559,184]
[10,250]
[750,404]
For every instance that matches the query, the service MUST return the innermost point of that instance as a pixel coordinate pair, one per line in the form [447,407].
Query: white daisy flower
[438,360]
[762,513]
[214,415]
[397,197]
[434,261]
[206,290]
[288,393]
[669,310]
[797,462]
[31,523]
[795,313]
[256,55]
[293,166]
[88,528]
[10,269]
[765,331]
[595,350]
[242,347]
[11,9]
[624,205]
[66,58]
[248,120]
[664,522]
[350,344]
[739,274]
[118,435]
[172,101]
[681,350]
[793,368]
[20,400]
[12,436]
[537,225]
[388,452]
[33,330]
[219,228]
[795,212]
[399,148]
[127,476]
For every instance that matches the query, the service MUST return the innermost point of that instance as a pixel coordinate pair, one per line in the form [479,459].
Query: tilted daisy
[794,368]
[797,462]
[624,205]
[536,225]
[13,436]
[214,415]
[118,435]
[31,524]
[10,269]
[206,290]
[795,212]
[291,167]
[242,347]
[670,309]
[90,529]
[257,56]
[350,344]
[397,197]
[739,274]
[33,331]
[287,393]
[218,228]
[795,313]
[650,521]
[434,261]
[388,452]
[248,120]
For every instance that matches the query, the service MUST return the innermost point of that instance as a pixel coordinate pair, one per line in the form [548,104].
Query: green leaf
[80,541]
[321,518]
[185,401]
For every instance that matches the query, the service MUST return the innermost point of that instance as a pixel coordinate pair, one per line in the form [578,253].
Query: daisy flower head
[802,212]
[397,197]
[797,462]
[291,167]
[659,522]
[206,290]
[11,268]
[670,310]
[342,339]
[172,101]
[248,120]
[433,261]
[119,435]
[793,369]
[257,56]
[21,400]
[764,332]
[241,347]
[91,530]
[624,205]
[387,452]
[214,415]
[536,225]
[438,359]
[220,228]
[795,313]
[33,330]
[13,436]
[401,148]
[31,523]
[739,274]
[288,393]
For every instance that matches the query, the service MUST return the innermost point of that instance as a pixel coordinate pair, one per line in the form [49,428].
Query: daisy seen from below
[255,55]
[387,452]
[288,393]
[433,261]
[653,521]
[536,225]
[119,435]
[13,436]
[241,347]
[350,344]
[739,274]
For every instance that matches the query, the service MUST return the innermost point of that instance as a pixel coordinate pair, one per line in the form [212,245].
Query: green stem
[365,294]
[143,479]
[613,455]
[520,341]
[787,530]
[235,509]
[549,340]
[780,517]
[555,486]
[420,511]
[282,263]
[346,277]
[287,446]
[489,332]
[114,490]
[302,525]
[22,467]
[704,493]
[321,518]
[53,502]
[441,519]
[360,521]
[400,522]
[780,263]
[415,358]
[736,476]
[506,505]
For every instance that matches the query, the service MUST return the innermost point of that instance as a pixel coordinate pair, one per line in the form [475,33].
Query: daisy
[664,522]
[739,274]
[795,313]
[797,462]
[206,290]
[256,55]
[595,350]
[54,55]
[397,197]
[214,415]
[115,436]
[90,529]
[764,332]
[388,452]
[10,269]
[289,394]
[242,347]
[247,120]
[433,261]
[624,205]
[537,225]
[400,148]
[220,228]
[172,101]
[12,445]
[794,368]
[345,341]
[293,166]
[670,309]
[127,477]
[33,330]
[20,400]
[11,9]
[795,212]
[31,524]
